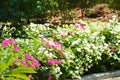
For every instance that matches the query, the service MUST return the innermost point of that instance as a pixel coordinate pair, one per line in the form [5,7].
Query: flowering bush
[67,52]
[11,68]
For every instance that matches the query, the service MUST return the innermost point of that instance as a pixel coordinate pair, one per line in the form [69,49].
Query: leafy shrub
[69,51]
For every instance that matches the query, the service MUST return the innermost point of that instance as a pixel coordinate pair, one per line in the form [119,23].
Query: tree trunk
[82,13]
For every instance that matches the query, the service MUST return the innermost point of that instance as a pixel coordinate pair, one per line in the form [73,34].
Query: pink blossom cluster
[63,36]
[54,61]
[69,33]
[53,44]
[80,26]
[10,41]
[7,42]
[42,38]
[56,45]
[34,63]
[112,49]
[49,77]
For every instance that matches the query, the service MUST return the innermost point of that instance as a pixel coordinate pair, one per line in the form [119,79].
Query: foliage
[68,51]
[114,4]
[17,11]
[21,12]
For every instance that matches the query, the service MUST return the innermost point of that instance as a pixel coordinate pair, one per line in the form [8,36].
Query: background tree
[85,4]
[20,11]
[115,4]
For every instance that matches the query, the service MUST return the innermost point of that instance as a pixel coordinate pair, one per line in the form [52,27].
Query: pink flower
[23,62]
[28,65]
[12,41]
[61,51]
[15,62]
[57,45]
[35,63]
[54,61]
[5,43]
[48,39]
[69,33]
[58,62]
[111,48]
[42,38]
[48,44]
[50,77]
[16,48]
[28,57]
[62,36]
[50,62]
[30,76]
[77,25]
[82,27]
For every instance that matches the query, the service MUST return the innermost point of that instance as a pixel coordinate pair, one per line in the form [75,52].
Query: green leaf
[21,76]
[3,66]
[7,63]
[9,60]
[1,55]
[22,70]
[11,78]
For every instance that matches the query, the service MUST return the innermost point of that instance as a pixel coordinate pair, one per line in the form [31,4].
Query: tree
[20,11]
[115,4]
[85,4]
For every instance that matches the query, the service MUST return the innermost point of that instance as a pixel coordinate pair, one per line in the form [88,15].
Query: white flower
[78,49]
[103,37]
[74,43]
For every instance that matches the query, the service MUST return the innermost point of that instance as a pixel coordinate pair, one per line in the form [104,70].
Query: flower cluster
[80,26]
[54,61]
[7,42]
[34,62]
[69,33]
[111,48]
[81,46]
[10,41]
[50,77]
[53,44]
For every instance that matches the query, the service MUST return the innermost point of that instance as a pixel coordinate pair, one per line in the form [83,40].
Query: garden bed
[60,53]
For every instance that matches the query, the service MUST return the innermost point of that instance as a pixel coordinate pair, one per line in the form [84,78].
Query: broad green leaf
[22,70]
[20,76]
[7,63]
[9,60]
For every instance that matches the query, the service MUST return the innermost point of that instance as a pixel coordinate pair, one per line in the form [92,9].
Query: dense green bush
[69,51]
[17,11]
